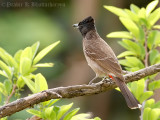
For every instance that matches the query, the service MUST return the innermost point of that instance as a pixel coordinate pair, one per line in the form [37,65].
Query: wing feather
[104,56]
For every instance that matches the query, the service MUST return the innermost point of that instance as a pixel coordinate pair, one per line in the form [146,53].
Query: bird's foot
[107,79]
[90,83]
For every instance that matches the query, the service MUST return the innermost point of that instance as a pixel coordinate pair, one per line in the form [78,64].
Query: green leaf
[44,65]
[45,103]
[156,105]
[56,109]
[142,13]
[134,47]
[150,7]
[12,62]
[142,35]
[134,8]
[154,17]
[3,73]
[153,39]
[137,88]
[43,114]
[63,110]
[154,85]
[153,55]
[97,118]
[52,102]
[145,96]
[120,34]
[117,11]
[132,15]
[53,116]
[157,60]
[131,26]
[154,114]
[2,89]
[40,83]
[7,58]
[27,53]
[26,61]
[34,112]
[35,49]
[135,62]
[25,65]
[156,26]
[133,87]
[71,114]
[131,46]
[133,69]
[117,88]
[6,69]
[0,97]
[126,53]
[48,113]
[17,56]
[125,62]
[123,44]
[82,116]
[30,84]
[157,41]
[4,118]
[8,86]
[20,82]
[146,113]
[32,69]
[42,53]
[149,103]
[142,51]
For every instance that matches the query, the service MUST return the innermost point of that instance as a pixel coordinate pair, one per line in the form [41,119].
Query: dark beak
[75,25]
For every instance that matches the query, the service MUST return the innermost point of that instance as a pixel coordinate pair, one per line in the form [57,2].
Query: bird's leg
[92,80]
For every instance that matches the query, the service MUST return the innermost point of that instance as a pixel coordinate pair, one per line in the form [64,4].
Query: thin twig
[146,49]
[72,91]
[12,93]
[146,65]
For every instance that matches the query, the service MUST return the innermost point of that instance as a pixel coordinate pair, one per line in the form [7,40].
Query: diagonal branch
[72,91]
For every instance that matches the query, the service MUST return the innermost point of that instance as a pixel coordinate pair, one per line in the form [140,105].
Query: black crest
[86,25]
[88,20]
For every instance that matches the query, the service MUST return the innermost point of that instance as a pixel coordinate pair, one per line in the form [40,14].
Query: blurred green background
[22,25]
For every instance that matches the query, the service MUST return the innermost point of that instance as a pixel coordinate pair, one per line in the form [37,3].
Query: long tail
[130,99]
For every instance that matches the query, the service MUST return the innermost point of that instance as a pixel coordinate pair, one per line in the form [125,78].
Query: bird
[102,59]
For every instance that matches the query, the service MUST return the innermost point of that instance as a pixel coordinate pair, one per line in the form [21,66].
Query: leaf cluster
[52,112]
[18,71]
[140,42]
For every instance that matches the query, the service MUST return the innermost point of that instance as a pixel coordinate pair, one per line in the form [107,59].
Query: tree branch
[72,91]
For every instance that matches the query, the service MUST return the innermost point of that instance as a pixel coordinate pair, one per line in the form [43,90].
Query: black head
[85,26]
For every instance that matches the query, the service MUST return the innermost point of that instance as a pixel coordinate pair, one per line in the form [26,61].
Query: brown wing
[103,55]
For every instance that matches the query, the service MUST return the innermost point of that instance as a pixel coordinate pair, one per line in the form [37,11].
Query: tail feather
[130,99]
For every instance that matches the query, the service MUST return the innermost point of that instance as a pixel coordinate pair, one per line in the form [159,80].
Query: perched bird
[102,60]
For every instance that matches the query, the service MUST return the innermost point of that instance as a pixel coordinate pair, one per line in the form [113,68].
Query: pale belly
[96,68]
